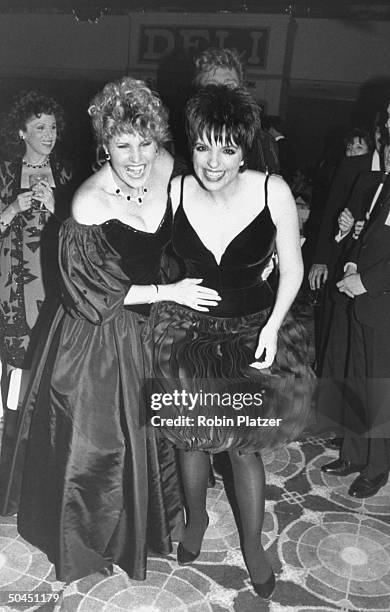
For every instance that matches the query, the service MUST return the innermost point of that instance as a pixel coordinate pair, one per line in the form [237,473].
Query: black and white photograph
[194,306]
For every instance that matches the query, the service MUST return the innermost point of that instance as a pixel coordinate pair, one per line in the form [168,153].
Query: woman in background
[28,219]
[35,193]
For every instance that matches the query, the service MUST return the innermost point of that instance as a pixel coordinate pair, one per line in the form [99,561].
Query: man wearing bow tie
[366,447]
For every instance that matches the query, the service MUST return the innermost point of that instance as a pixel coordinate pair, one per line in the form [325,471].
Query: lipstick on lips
[213,175]
[135,171]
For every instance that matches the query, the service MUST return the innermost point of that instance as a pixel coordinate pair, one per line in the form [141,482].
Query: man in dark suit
[322,271]
[366,446]
[330,399]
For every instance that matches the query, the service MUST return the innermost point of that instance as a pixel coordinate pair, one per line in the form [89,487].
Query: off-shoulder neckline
[115,220]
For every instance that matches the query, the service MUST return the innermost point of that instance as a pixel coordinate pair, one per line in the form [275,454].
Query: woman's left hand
[44,194]
[268,341]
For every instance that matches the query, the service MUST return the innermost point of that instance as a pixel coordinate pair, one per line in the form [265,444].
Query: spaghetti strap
[266,189]
[181,191]
[178,170]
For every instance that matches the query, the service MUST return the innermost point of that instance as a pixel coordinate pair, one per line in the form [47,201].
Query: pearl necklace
[137,199]
[36,166]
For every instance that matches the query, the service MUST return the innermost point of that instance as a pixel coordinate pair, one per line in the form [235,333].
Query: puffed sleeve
[93,283]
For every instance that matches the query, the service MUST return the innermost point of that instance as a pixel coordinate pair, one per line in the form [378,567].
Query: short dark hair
[361,134]
[27,105]
[223,112]
[213,58]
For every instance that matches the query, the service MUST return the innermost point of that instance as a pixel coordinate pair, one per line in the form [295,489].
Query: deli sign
[158,41]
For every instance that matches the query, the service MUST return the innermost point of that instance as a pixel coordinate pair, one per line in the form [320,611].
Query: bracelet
[3,223]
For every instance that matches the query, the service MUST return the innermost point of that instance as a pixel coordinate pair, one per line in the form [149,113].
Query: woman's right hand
[189,292]
[23,202]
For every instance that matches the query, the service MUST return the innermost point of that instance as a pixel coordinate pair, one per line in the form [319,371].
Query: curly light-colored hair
[128,106]
[26,106]
[213,58]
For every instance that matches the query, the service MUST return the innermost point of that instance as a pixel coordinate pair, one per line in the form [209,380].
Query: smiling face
[216,163]
[132,158]
[39,135]
[357,147]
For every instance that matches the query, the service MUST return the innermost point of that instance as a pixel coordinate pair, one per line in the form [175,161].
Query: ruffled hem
[214,401]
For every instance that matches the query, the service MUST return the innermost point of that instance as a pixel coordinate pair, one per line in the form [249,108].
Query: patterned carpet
[329,551]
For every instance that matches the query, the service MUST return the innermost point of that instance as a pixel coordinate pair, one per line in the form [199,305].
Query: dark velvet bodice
[238,276]
[140,251]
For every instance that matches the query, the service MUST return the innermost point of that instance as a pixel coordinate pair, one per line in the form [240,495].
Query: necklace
[36,166]
[138,198]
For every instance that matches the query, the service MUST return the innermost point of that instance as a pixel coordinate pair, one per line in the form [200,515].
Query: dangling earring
[157,151]
[102,156]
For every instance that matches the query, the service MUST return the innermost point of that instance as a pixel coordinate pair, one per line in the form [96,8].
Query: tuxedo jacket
[339,194]
[359,204]
[372,256]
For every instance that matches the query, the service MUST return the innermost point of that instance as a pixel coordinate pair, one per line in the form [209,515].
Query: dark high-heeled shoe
[265,589]
[186,557]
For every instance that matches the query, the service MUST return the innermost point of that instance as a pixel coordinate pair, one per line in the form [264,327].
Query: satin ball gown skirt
[91,484]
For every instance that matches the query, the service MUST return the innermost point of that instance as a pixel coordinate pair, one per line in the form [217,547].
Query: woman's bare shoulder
[256,179]
[278,183]
[280,199]
[275,189]
[87,201]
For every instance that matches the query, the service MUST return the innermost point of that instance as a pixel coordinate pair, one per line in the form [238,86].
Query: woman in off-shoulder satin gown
[93,484]
[241,367]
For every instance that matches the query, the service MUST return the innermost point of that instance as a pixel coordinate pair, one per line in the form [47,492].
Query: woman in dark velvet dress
[227,222]
[97,489]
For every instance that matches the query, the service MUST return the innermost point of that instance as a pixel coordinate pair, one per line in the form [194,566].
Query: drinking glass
[35,180]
